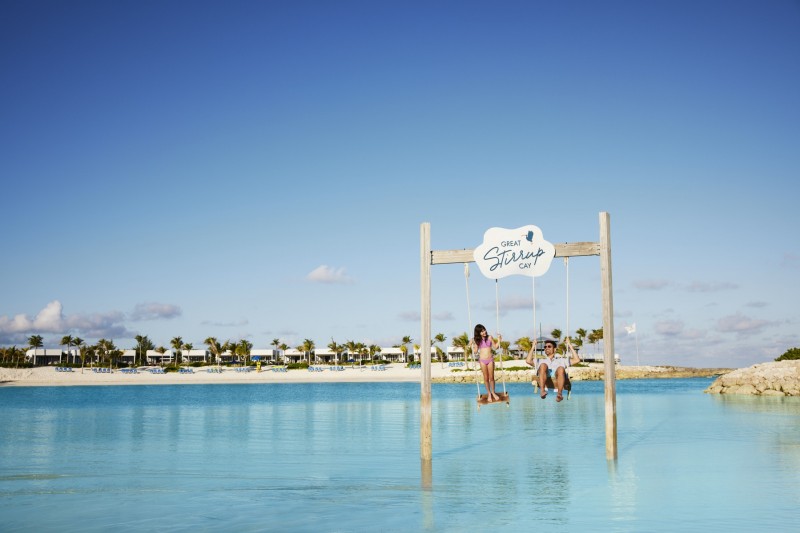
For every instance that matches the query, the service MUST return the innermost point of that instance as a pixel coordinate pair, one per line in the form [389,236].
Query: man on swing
[545,368]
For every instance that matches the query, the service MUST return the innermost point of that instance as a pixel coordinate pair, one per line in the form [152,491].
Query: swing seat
[483,399]
[551,386]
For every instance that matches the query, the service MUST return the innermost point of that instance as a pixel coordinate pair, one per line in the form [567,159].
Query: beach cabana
[195,356]
[393,354]
[293,355]
[156,358]
[45,356]
[326,355]
[265,356]
[455,353]
[128,357]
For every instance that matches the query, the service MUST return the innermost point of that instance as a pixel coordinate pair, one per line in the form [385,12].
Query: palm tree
[67,341]
[35,341]
[214,347]
[188,347]
[406,340]
[504,345]
[243,349]
[229,347]
[102,350]
[361,348]
[177,344]
[373,350]
[308,347]
[462,341]
[524,344]
[439,352]
[87,352]
[161,350]
[77,342]
[556,334]
[143,343]
[351,348]
[596,336]
[283,347]
[335,348]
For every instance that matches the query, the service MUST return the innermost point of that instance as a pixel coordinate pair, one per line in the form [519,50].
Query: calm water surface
[345,457]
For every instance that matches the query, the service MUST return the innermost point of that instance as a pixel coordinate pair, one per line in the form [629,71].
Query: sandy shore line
[49,377]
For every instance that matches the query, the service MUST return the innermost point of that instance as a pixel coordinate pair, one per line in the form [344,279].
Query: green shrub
[791,354]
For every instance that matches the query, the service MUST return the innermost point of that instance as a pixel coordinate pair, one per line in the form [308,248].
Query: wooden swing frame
[429,257]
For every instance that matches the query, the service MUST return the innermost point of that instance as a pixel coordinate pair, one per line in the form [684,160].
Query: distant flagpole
[632,330]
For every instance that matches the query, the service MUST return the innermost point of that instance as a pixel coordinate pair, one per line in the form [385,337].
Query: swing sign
[514,252]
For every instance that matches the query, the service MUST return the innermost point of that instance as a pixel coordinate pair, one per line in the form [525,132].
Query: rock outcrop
[779,378]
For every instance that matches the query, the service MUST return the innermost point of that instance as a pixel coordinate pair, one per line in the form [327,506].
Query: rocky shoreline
[778,378]
[594,372]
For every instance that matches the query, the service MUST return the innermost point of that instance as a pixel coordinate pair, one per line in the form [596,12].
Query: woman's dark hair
[477,338]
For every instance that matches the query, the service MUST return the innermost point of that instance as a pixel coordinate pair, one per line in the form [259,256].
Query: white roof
[391,350]
[45,351]
[153,352]
[263,352]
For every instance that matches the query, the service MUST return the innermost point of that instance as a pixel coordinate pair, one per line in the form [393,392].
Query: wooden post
[610,379]
[425,445]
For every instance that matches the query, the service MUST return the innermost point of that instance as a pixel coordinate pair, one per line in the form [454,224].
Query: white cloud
[740,323]
[444,316]
[702,286]
[326,274]
[48,320]
[409,316]
[651,284]
[242,322]
[154,311]
[669,328]
[51,319]
[791,261]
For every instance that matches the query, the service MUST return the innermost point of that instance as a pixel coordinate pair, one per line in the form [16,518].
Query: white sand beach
[49,376]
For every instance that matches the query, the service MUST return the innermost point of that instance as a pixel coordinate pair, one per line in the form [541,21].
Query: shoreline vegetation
[511,371]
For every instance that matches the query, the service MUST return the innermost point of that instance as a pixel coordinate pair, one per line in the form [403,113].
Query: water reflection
[313,458]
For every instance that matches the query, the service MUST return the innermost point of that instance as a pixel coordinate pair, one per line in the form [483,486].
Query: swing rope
[469,316]
[497,320]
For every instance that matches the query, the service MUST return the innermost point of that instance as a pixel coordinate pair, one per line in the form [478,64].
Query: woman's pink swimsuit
[486,343]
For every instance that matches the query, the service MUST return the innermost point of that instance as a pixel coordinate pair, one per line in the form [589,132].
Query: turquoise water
[345,457]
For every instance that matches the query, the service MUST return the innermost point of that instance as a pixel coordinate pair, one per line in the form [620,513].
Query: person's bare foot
[544,394]
[559,397]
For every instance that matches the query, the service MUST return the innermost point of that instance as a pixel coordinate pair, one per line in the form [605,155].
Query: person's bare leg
[485,370]
[543,380]
[559,383]
[490,367]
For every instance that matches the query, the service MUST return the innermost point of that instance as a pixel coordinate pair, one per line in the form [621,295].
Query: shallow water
[345,457]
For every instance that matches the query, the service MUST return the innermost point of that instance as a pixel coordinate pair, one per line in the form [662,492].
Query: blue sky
[260,170]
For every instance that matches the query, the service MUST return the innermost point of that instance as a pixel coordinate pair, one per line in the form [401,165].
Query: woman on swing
[482,343]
